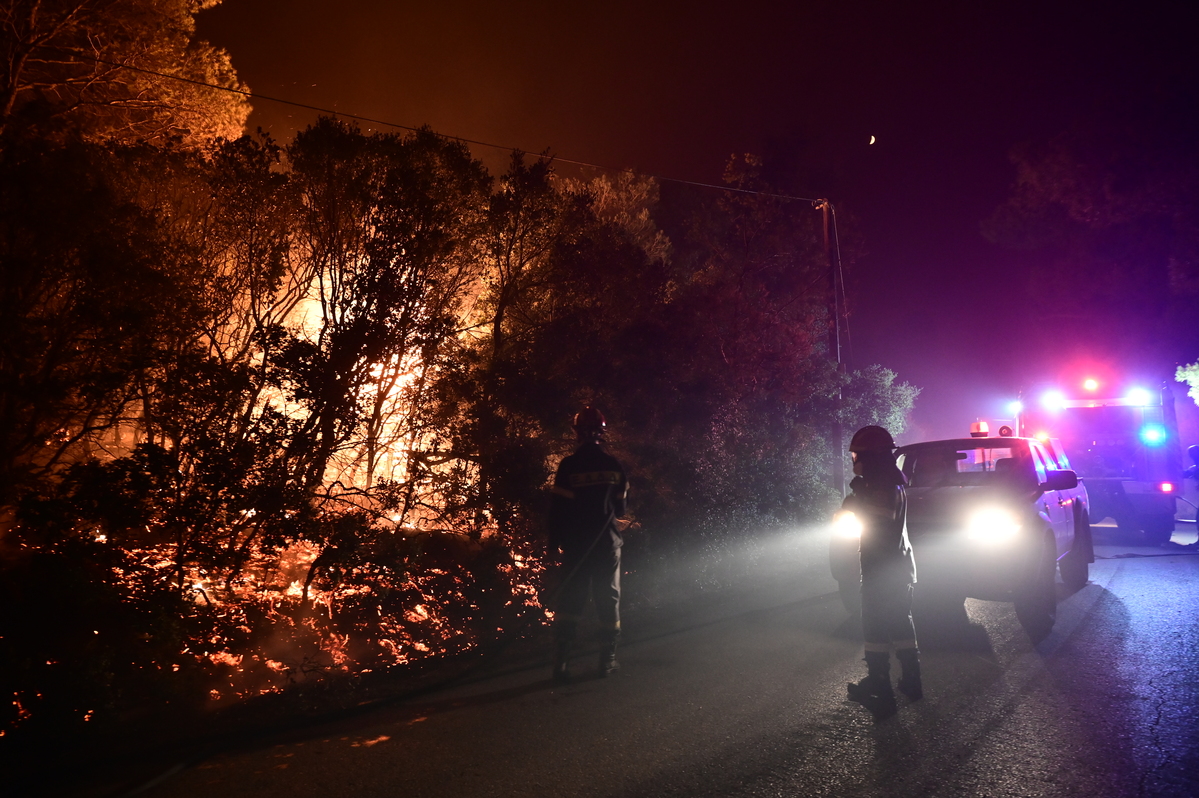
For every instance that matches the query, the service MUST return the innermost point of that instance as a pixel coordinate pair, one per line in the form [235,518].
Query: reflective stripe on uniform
[590,479]
[563,492]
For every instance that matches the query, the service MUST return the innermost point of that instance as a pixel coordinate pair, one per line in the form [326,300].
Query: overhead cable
[359,118]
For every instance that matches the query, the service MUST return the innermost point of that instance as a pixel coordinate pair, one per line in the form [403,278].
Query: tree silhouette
[104,70]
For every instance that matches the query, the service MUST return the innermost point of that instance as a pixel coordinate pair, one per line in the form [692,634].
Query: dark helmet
[590,420]
[871,438]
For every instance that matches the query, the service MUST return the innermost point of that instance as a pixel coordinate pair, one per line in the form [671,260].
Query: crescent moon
[872,139]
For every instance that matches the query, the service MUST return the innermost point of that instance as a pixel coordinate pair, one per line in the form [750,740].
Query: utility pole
[836,302]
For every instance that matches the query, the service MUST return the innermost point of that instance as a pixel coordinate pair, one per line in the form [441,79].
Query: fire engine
[1123,445]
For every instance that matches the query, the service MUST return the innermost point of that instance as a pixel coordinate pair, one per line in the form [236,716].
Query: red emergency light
[1166,487]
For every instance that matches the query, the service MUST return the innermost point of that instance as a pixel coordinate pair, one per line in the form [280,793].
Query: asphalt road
[744,695]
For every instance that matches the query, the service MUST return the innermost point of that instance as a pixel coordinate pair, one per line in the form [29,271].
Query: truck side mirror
[1060,480]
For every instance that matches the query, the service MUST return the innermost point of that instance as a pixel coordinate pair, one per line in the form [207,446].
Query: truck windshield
[961,464]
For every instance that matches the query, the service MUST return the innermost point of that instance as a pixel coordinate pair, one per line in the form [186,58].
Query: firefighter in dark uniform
[589,494]
[879,502]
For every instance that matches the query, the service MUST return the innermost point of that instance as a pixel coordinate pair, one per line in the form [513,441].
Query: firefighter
[589,494]
[879,502]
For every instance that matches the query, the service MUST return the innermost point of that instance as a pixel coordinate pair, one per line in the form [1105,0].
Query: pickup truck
[991,518]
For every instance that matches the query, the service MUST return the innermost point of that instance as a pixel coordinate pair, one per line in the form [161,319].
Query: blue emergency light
[1153,434]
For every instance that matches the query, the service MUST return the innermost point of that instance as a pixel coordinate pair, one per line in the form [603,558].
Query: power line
[844,313]
[359,118]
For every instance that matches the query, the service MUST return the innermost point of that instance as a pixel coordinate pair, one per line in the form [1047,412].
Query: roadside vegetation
[272,413]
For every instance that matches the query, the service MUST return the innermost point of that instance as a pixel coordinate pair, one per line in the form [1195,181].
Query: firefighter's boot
[607,656]
[875,691]
[909,682]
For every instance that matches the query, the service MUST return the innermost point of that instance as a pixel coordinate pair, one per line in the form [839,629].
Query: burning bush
[115,613]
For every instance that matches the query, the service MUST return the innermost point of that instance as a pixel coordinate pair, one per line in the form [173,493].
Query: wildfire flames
[349,628]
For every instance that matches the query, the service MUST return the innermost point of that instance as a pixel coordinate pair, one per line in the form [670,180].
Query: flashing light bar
[1054,400]
[1120,401]
[1140,396]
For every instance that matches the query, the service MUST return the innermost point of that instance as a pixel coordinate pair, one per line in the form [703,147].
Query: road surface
[744,695]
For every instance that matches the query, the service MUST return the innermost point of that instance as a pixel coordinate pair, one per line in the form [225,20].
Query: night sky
[673,89]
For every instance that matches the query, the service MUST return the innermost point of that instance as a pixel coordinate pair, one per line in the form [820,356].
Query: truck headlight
[846,525]
[993,525]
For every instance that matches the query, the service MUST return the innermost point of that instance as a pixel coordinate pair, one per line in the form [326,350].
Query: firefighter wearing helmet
[589,493]
[879,503]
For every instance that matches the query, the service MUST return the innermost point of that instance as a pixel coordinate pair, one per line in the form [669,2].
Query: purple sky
[673,88]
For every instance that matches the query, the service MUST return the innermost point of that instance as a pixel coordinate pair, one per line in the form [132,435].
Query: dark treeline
[269,412]
[1109,209]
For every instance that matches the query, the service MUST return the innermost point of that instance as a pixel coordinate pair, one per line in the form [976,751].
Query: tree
[89,293]
[493,419]
[330,292]
[388,227]
[104,70]
[1108,216]
[754,383]
[1189,374]
[97,299]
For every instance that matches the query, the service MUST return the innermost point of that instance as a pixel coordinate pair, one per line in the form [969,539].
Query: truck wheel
[1036,605]
[851,596]
[1075,567]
